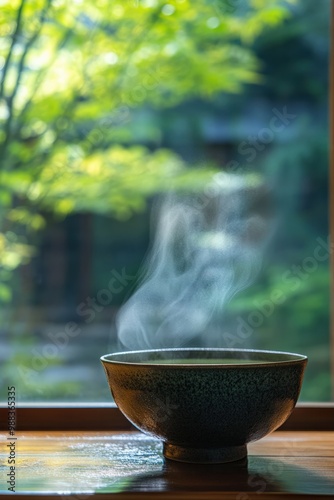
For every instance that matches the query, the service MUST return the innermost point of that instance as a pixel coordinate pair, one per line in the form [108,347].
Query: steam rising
[206,249]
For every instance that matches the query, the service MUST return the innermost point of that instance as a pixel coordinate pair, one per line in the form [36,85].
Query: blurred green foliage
[74,73]
[80,84]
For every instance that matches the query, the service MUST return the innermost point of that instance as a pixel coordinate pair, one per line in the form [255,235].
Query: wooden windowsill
[81,450]
[105,417]
[126,465]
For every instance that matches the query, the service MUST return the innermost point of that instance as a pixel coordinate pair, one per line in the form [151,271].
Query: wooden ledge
[124,465]
[107,417]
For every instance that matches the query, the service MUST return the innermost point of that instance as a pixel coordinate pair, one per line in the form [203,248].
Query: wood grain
[125,465]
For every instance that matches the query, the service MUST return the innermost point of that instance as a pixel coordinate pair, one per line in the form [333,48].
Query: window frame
[331,191]
[107,417]
[97,416]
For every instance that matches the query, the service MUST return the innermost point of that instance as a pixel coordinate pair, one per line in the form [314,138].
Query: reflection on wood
[129,464]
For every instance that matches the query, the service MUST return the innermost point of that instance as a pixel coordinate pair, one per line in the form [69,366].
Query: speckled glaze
[205,413]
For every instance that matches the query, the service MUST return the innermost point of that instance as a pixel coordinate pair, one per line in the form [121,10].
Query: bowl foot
[204,455]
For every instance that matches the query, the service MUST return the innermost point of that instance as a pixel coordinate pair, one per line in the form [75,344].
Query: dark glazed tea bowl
[205,404]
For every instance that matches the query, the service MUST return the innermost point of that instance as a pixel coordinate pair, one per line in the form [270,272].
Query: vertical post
[331,191]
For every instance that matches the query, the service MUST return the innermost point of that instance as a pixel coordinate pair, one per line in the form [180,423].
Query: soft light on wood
[130,465]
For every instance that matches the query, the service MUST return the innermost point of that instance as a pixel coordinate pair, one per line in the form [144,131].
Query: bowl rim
[297,358]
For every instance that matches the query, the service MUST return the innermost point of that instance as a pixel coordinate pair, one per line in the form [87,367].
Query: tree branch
[9,56]
[40,78]
[134,44]
[11,98]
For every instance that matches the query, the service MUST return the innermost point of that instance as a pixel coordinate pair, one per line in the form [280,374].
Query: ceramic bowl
[205,404]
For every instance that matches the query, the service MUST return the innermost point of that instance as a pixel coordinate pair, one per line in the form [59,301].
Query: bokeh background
[106,106]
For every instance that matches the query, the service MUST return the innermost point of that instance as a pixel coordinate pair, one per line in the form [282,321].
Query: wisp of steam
[206,248]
